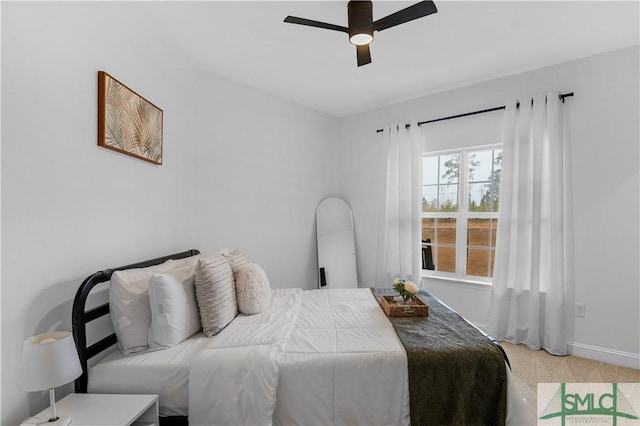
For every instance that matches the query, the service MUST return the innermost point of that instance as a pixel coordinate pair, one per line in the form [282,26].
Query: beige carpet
[533,367]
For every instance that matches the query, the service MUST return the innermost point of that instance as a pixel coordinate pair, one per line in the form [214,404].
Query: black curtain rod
[466,114]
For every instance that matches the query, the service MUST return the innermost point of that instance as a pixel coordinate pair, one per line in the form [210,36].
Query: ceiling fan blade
[317,24]
[410,13]
[364,54]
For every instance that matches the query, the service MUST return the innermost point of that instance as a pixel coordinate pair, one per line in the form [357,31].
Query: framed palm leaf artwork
[127,122]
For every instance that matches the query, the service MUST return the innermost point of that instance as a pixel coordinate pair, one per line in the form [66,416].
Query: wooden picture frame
[127,122]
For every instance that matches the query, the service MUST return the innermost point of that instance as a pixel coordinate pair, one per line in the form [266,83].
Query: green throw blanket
[457,375]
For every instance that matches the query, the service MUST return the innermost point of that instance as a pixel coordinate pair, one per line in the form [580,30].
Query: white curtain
[530,289]
[399,240]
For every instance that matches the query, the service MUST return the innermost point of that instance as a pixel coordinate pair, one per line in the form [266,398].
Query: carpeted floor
[533,367]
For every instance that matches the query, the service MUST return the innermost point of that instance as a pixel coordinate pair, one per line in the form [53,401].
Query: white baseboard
[597,353]
[611,356]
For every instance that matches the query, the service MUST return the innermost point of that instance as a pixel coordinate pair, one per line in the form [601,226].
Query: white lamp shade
[49,360]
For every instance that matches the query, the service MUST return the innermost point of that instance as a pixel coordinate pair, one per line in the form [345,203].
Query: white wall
[603,119]
[246,170]
[70,208]
[263,166]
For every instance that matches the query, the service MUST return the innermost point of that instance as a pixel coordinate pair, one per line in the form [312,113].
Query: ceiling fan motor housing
[360,15]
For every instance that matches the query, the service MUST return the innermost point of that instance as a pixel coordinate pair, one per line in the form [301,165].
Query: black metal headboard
[80,317]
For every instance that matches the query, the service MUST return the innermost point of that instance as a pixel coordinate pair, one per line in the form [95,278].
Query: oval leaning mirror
[336,245]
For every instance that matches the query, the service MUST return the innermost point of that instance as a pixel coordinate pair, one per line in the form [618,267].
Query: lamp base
[60,422]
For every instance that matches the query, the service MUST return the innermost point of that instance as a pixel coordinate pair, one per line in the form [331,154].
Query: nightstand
[92,409]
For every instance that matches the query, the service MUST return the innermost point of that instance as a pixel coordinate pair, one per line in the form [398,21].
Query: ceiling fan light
[360,17]
[361,39]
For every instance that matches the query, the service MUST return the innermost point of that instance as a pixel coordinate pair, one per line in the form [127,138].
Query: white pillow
[174,311]
[129,304]
[253,290]
[215,293]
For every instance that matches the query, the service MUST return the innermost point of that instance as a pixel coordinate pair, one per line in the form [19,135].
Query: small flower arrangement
[407,289]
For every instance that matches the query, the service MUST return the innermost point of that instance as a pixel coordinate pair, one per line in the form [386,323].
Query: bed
[313,357]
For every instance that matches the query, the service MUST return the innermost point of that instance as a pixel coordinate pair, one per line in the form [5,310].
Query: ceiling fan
[361,23]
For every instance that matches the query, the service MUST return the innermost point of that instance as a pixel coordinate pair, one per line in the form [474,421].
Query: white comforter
[315,357]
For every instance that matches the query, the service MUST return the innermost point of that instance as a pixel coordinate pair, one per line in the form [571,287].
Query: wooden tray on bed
[415,308]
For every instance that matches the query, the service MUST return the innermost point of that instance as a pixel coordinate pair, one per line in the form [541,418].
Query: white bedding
[343,364]
[323,357]
[233,381]
[314,357]
[164,372]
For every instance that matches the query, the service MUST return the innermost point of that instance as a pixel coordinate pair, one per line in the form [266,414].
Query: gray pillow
[215,294]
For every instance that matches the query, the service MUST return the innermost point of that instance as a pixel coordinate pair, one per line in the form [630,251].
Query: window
[460,201]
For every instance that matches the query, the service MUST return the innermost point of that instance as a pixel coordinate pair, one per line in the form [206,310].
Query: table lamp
[49,360]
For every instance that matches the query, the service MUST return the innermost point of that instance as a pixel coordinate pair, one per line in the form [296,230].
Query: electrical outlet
[580,310]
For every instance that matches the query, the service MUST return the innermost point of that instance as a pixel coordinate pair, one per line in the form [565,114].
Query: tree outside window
[460,204]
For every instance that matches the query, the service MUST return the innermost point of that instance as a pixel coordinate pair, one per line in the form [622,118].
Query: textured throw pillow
[236,259]
[174,311]
[252,289]
[215,293]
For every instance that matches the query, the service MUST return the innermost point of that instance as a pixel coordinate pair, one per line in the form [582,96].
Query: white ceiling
[465,42]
